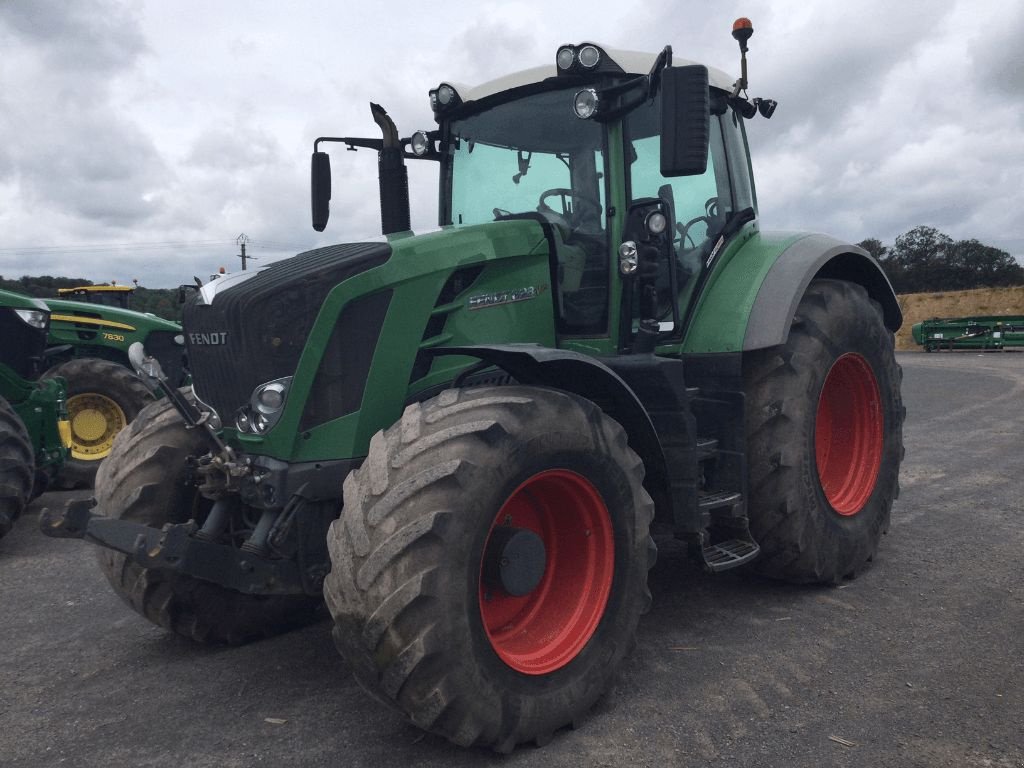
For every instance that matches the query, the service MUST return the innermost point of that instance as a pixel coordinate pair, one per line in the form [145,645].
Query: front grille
[255,331]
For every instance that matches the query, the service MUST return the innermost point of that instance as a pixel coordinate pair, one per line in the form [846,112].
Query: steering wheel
[709,218]
[566,195]
[684,230]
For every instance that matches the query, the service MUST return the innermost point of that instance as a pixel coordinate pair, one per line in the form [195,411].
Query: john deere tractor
[34,431]
[91,330]
[465,439]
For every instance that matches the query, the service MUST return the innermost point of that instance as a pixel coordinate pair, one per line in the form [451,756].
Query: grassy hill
[980,301]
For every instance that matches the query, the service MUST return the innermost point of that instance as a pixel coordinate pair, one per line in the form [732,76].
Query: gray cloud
[192,122]
[67,146]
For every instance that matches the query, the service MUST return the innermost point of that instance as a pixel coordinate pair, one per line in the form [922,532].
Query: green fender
[751,298]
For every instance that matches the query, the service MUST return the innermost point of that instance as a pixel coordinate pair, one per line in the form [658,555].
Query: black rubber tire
[92,375]
[802,538]
[144,479]
[406,554]
[17,467]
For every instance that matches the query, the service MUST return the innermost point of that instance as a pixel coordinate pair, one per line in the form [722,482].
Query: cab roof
[631,62]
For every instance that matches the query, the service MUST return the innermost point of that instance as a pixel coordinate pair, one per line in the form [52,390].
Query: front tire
[824,437]
[145,479]
[103,398]
[17,467]
[422,608]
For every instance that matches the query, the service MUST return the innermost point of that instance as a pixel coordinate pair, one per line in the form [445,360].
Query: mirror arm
[352,141]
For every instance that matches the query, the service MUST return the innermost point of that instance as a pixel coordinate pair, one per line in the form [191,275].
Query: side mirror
[685,120]
[320,189]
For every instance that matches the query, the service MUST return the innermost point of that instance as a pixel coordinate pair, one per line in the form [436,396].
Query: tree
[874,247]
[925,259]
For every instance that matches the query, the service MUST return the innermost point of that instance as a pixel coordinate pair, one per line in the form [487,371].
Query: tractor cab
[119,296]
[635,167]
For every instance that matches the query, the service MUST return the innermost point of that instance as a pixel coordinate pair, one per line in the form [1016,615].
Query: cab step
[707,448]
[729,554]
[718,499]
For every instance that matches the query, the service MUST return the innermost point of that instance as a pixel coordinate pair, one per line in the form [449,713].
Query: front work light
[564,57]
[584,103]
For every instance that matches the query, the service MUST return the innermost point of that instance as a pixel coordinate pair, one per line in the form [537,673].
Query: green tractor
[90,334]
[464,440]
[34,430]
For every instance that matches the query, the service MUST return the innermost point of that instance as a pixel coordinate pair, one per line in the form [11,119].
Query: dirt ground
[919,662]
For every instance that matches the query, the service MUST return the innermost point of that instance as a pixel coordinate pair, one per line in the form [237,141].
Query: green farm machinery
[468,441]
[34,430]
[978,332]
[91,330]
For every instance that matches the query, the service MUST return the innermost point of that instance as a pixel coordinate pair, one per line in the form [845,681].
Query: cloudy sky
[139,139]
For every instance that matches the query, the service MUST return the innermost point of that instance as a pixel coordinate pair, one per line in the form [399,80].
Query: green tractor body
[465,438]
[34,430]
[88,346]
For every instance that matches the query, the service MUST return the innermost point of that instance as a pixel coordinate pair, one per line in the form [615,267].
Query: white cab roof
[633,62]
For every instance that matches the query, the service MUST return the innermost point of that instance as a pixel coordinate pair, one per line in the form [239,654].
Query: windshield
[528,155]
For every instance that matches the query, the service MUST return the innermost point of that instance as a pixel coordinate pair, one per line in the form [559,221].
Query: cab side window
[700,204]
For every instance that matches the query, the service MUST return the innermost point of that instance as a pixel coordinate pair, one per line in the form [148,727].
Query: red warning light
[742,23]
[222,270]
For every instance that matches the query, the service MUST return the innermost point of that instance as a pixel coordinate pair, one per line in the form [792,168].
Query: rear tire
[425,628]
[103,398]
[17,467]
[824,437]
[145,479]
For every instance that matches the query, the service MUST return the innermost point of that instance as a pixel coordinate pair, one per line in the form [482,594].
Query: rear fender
[751,298]
[815,256]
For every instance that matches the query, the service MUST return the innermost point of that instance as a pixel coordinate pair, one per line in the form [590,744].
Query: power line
[114,246]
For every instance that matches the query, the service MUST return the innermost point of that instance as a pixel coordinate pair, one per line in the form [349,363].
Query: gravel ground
[916,663]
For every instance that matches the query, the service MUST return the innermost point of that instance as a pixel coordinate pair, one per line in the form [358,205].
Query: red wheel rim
[546,629]
[848,434]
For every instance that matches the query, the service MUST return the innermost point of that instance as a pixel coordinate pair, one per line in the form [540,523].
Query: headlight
[564,57]
[264,408]
[269,398]
[444,97]
[589,56]
[627,258]
[37,318]
[655,223]
[242,421]
[584,103]
[421,144]
[260,423]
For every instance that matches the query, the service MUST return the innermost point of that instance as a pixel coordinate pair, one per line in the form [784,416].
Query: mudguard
[750,301]
[814,256]
[585,376]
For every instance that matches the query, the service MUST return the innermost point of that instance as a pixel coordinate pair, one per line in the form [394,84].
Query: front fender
[588,377]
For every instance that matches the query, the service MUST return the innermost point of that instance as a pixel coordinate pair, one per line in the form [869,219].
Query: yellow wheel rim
[95,421]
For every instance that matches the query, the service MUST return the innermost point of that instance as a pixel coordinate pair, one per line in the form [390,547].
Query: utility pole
[242,239]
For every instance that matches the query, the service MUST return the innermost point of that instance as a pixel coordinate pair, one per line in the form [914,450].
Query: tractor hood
[255,330]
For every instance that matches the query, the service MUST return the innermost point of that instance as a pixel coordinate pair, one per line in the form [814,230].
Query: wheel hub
[546,572]
[95,421]
[514,561]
